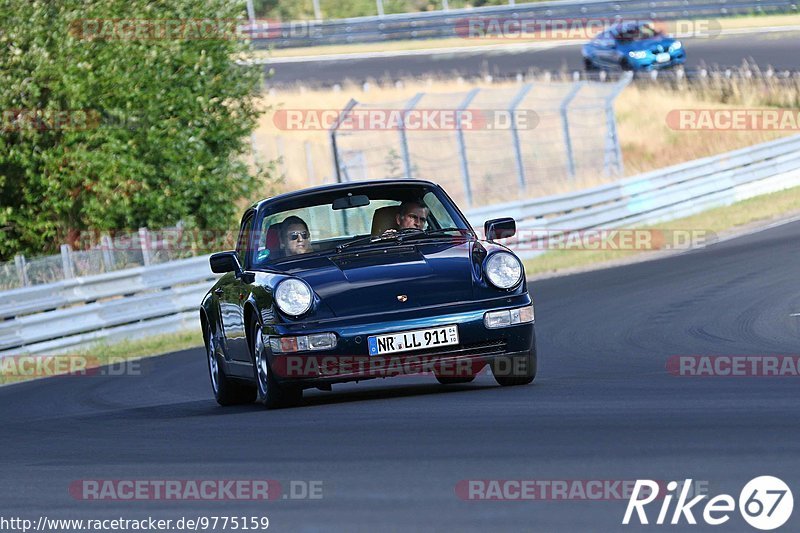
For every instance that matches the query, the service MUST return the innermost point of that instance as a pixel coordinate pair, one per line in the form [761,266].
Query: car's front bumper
[650,63]
[350,359]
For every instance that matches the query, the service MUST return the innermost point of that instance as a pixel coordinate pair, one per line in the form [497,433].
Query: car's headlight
[638,54]
[677,45]
[503,270]
[293,297]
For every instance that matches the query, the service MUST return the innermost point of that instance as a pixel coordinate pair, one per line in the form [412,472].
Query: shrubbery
[112,134]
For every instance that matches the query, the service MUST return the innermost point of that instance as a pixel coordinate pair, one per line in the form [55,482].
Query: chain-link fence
[107,254]
[485,145]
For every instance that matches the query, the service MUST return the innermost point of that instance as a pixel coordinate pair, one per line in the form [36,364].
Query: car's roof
[342,187]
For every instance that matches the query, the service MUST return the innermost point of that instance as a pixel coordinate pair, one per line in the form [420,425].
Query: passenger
[295,236]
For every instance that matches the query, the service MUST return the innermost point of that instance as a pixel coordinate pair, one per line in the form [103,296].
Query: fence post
[564,110]
[19,261]
[251,13]
[337,163]
[66,261]
[309,163]
[106,247]
[612,159]
[403,138]
[515,134]
[281,154]
[462,148]
[254,150]
[144,241]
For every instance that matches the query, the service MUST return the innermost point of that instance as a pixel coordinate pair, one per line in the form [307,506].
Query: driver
[412,214]
[295,236]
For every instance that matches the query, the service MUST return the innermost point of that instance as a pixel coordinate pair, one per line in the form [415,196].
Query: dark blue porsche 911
[361,280]
[633,46]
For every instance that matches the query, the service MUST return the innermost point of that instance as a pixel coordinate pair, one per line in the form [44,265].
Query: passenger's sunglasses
[297,234]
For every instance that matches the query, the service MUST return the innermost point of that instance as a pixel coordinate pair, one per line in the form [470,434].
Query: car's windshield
[637,33]
[324,222]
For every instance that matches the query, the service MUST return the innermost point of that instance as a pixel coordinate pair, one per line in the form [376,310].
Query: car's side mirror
[500,228]
[223,262]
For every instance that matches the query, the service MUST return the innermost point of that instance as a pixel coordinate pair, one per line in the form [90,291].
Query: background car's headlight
[638,54]
[293,297]
[677,45]
[503,270]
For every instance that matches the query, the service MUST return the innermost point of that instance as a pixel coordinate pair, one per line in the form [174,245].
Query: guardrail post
[337,164]
[22,272]
[564,110]
[144,241]
[515,134]
[462,148]
[612,159]
[106,247]
[403,137]
[379,5]
[66,261]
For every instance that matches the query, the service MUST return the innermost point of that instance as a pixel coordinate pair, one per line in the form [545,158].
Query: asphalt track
[389,453]
[778,50]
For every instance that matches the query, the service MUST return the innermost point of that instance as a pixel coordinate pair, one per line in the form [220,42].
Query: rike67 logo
[765,503]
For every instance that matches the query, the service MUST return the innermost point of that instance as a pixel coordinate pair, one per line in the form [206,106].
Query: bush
[107,132]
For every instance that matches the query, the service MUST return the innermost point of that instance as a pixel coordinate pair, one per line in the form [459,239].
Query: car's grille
[482,348]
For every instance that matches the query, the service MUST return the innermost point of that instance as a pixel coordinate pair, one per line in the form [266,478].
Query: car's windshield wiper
[386,236]
[435,233]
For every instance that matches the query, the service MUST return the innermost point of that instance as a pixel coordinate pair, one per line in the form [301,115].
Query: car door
[605,51]
[232,293]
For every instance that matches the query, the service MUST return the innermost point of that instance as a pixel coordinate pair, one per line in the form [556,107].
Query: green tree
[153,126]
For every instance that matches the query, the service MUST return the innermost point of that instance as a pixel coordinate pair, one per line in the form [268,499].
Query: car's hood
[656,44]
[390,278]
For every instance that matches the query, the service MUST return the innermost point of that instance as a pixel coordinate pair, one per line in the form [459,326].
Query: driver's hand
[388,232]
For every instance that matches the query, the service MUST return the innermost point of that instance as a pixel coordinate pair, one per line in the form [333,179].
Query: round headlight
[293,297]
[503,270]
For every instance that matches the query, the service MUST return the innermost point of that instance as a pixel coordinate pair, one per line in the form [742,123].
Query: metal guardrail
[674,192]
[163,298]
[451,23]
[114,306]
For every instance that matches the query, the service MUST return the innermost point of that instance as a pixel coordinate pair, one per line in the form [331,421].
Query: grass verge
[15,369]
[720,221]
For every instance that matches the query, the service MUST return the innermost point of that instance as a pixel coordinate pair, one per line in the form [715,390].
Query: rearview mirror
[346,202]
[500,228]
[223,262]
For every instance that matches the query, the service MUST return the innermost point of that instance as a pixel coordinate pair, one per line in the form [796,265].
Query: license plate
[662,58]
[418,339]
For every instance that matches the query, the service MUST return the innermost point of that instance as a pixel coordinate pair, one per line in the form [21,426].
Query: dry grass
[722,220]
[18,369]
[647,141]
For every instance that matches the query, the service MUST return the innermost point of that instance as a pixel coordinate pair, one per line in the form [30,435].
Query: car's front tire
[269,392]
[226,391]
[516,370]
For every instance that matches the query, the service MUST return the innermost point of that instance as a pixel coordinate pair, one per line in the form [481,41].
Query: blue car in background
[633,46]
